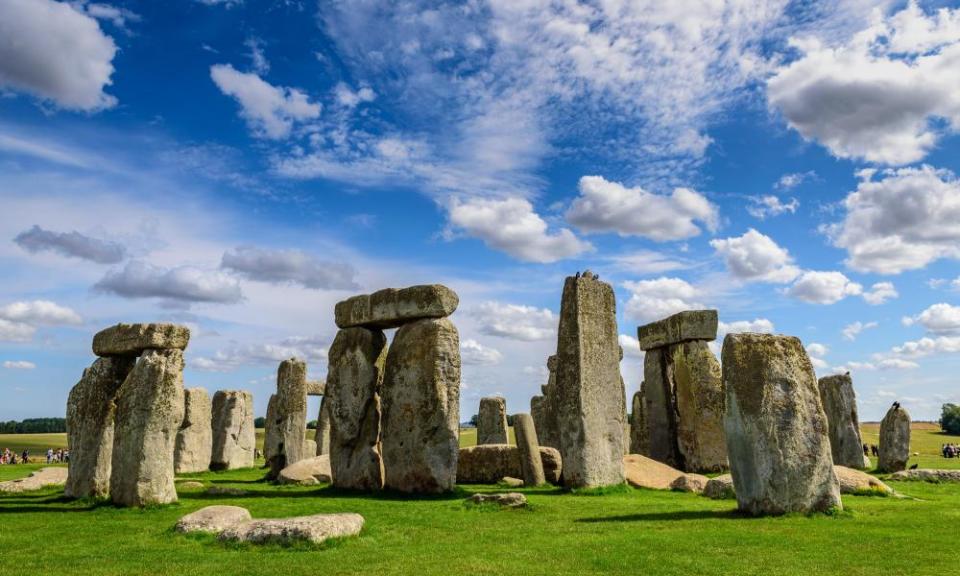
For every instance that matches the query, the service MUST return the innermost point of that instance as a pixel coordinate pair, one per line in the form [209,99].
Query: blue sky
[241,166]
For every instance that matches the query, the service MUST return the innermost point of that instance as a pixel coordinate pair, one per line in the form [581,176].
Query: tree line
[950,419]
[34,426]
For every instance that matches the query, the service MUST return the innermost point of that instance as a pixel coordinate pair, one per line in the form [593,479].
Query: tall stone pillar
[639,439]
[234,435]
[492,421]
[323,428]
[840,404]
[195,437]
[290,412]
[894,439]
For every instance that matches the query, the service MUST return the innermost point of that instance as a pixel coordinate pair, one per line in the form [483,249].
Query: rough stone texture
[776,430]
[271,431]
[589,390]
[492,421]
[700,406]
[53,476]
[643,472]
[322,437]
[195,436]
[489,463]
[315,529]
[392,308]
[695,483]
[531,465]
[212,519]
[149,414]
[316,387]
[421,407]
[511,482]
[681,327]
[639,435]
[539,414]
[290,412]
[134,339]
[504,500]
[927,475]
[307,472]
[354,379]
[90,425]
[853,481]
[661,411]
[549,432]
[189,485]
[894,440]
[720,488]
[309,447]
[226,491]
[234,435]
[840,405]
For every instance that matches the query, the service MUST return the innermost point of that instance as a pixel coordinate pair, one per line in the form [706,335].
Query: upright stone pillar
[234,435]
[530,462]
[639,440]
[894,439]
[840,405]
[492,421]
[549,432]
[195,437]
[290,413]
[323,428]
[271,431]
[589,389]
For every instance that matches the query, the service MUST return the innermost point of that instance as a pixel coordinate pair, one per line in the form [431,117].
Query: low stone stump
[53,476]
[854,481]
[489,463]
[315,529]
[308,472]
[927,475]
[189,485]
[212,519]
[504,500]
[643,472]
[690,482]
[720,488]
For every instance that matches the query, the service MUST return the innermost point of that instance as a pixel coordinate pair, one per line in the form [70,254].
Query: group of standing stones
[285,441]
[394,413]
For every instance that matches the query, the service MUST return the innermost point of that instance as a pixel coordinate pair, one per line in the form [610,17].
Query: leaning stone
[271,431]
[695,483]
[531,466]
[776,430]
[492,421]
[323,429]
[195,436]
[290,412]
[212,519]
[855,481]
[307,472]
[840,406]
[134,339]
[234,435]
[354,378]
[720,488]
[538,413]
[927,475]
[149,414]
[391,308]
[488,463]
[894,440]
[421,408]
[53,476]
[639,438]
[504,500]
[91,408]
[590,402]
[681,327]
[642,472]
[315,529]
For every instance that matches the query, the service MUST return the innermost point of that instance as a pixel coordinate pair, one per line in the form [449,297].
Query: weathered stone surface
[315,529]
[234,435]
[492,421]
[642,472]
[212,519]
[53,476]
[309,447]
[894,440]
[531,465]
[853,481]
[354,379]
[290,412]
[226,491]
[720,488]
[149,414]
[776,430]
[90,427]
[695,372]
[489,463]
[421,407]
[391,308]
[590,403]
[323,428]
[316,387]
[840,405]
[639,435]
[189,485]
[511,482]
[271,431]
[538,413]
[927,475]
[695,483]
[195,436]
[134,339]
[307,472]
[681,327]
[505,500]
[548,433]
[661,411]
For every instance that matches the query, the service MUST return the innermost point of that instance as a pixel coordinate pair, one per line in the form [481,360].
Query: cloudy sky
[240,166]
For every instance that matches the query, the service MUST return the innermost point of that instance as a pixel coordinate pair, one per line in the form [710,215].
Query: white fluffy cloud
[511,225]
[823,287]
[655,299]
[605,206]
[763,207]
[310,349]
[886,95]
[184,284]
[758,325]
[927,346]
[270,111]
[630,346]
[19,365]
[476,354]
[514,321]
[756,257]
[19,320]
[816,351]
[852,330]
[880,293]
[794,179]
[289,266]
[940,318]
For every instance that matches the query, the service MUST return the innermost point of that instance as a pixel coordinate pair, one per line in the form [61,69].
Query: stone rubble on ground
[504,500]
[212,519]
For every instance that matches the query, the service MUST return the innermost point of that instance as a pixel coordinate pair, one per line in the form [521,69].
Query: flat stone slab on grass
[307,472]
[133,339]
[190,485]
[854,481]
[643,472]
[681,327]
[41,478]
[315,529]
[505,500]
[212,519]
[928,475]
[392,307]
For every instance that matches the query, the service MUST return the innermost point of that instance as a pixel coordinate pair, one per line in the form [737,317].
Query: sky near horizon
[241,166]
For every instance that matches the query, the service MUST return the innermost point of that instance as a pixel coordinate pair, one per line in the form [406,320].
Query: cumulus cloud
[823,287]
[511,225]
[851,331]
[756,257]
[184,284]
[655,299]
[310,349]
[763,207]
[476,354]
[642,262]
[940,318]
[925,347]
[258,59]
[57,53]
[19,365]
[19,320]
[514,321]
[270,111]
[880,293]
[816,351]
[72,244]
[757,325]
[350,98]
[792,180]
[630,346]
[605,206]
[289,266]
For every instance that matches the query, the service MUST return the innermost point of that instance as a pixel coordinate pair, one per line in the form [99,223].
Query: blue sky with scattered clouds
[241,166]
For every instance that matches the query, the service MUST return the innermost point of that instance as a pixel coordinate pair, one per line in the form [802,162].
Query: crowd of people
[950,451]
[57,456]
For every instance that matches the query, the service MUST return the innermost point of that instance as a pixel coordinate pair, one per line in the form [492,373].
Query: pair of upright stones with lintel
[217,435]
[285,441]
[124,414]
[395,414]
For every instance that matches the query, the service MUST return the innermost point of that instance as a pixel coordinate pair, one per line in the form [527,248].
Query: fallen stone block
[53,476]
[505,500]
[854,481]
[212,519]
[643,472]
[307,472]
[315,529]
[928,475]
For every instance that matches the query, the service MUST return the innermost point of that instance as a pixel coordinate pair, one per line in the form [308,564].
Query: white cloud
[851,331]
[310,349]
[71,244]
[652,300]
[790,181]
[16,331]
[605,206]
[823,287]
[816,352]
[896,364]
[56,53]
[763,207]
[757,325]
[19,365]
[289,266]
[511,225]
[350,98]
[39,312]
[119,17]
[886,95]
[514,321]
[940,318]
[630,346]
[184,284]
[756,257]
[642,262]
[270,111]
[476,354]
[258,59]
[880,293]
[926,346]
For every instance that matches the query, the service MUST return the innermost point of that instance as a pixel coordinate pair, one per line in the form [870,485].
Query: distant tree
[260,422]
[34,426]
[950,419]
[474,419]
[312,425]
[509,419]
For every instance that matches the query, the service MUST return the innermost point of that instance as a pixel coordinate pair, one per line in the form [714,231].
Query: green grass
[925,439]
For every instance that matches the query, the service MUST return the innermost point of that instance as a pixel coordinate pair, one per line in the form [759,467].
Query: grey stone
[661,410]
[511,482]
[53,476]
[290,411]
[391,308]
[354,378]
[492,421]
[271,431]
[538,413]
[700,406]
[639,435]
[776,430]
[421,407]
[840,405]
[488,463]
[316,387]
[855,481]
[212,519]
[195,437]
[681,327]
[314,529]
[234,435]
[322,437]
[307,472]
[927,475]
[504,500]
[695,483]
[309,447]
[894,440]
[531,465]
[134,339]
[149,414]
[590,403]
[549,432]
[643,472]
[720,488]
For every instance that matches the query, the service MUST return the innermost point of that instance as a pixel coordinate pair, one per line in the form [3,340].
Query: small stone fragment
[212,519]
[189,485]
[695,483]
[720,488]
[511,482]
[134,339]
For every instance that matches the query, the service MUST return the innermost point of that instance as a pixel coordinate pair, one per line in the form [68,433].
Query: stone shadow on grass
[669,516]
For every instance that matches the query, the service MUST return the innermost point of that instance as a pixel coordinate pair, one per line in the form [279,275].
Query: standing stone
[894,439]
[700,407]
[291,414]
[234,435]
[589,390]
[323,428]
[840,404]
[492,421]
[195,437]
[271,431]
[421,407]
[639,439]
[90,427]
[354,379]
[549,435]
[661,410]
[776,430]
[149,413]
[538,413]
[530,463]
